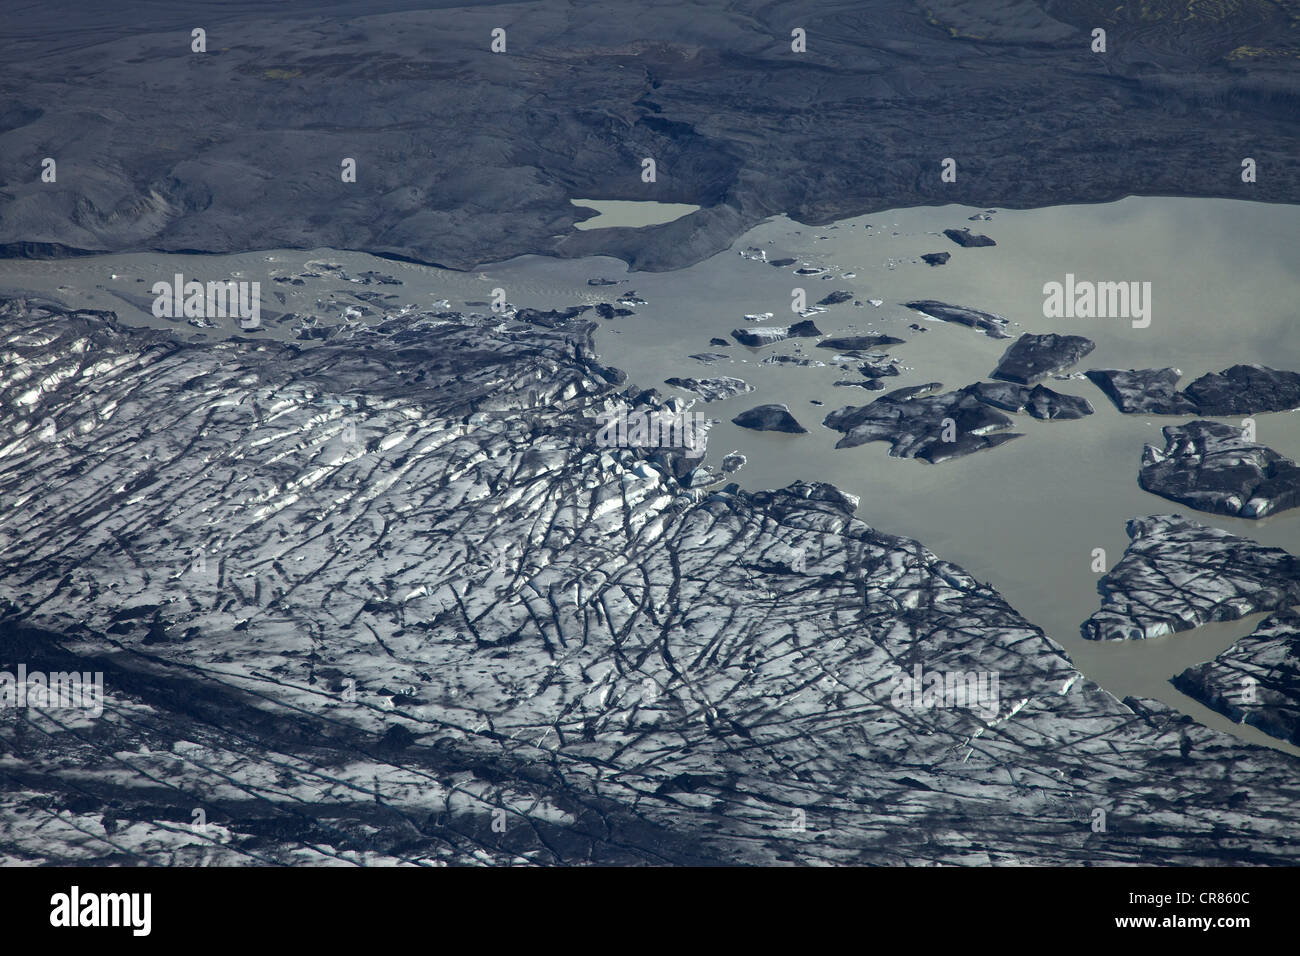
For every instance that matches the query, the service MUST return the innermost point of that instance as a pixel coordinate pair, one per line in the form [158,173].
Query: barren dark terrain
[465,156]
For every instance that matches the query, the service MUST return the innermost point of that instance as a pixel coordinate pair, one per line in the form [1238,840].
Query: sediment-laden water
[631,214]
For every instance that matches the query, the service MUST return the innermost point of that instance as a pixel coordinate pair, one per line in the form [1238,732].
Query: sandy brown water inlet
[1025,516]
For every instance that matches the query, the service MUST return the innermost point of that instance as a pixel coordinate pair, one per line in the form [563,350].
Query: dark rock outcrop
[936,258]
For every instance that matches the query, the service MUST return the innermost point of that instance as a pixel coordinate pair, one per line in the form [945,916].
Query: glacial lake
[631,213]
[1023,517]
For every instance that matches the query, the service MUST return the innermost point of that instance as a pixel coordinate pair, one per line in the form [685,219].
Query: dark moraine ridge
[465,156]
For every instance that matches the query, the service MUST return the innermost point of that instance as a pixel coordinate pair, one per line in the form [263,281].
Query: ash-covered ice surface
[1178,574]
[919,424]
[386,599]
[1257,679]
[1240,390]
[1212,467]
